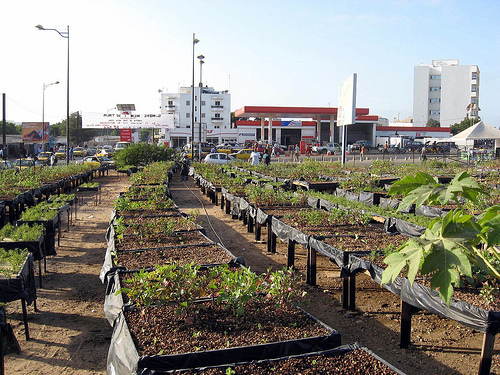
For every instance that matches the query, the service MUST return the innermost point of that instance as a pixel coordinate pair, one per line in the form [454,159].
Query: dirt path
[70,334]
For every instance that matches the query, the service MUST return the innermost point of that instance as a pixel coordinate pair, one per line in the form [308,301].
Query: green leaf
[409,255]
[444,264]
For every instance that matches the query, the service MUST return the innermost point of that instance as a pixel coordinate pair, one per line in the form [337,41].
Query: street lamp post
[192,104]
[43,114]
[201,57]
[64,34]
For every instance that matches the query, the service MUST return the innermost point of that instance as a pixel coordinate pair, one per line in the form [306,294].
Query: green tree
[144,135]
[140,154]
[11,128]
[466,123]
[77,135]
[431,123]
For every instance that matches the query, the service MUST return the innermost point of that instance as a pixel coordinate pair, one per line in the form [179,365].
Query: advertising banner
[347,101]
[32,132]
[126,120]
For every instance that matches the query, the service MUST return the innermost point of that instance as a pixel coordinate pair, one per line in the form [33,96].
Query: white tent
[478,131]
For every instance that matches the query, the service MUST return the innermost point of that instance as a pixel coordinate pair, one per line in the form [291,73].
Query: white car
[218,158]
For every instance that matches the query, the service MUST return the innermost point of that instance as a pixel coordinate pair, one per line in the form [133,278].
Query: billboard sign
[126,135]
[32,132]
[126,120]
[347,101]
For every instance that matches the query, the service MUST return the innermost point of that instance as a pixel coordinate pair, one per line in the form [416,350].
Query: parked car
[5,164]
[61,153]
[79,151]
[243,154]
[226,149]
[218,158]
[448,147]
[109,150]
[90,151]
[358,144]
[331,147]
[121,145]
[102,160]
[25,163]
[414,146]
[44,157]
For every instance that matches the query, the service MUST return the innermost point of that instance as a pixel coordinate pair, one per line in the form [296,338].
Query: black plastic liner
[124,359]
[110,250]
[395,225]
[21,286]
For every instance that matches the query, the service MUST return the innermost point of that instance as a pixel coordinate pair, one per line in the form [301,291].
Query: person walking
[423,153]
[185,164]
[297,153]
[254,157]
[362,152]
[267,157]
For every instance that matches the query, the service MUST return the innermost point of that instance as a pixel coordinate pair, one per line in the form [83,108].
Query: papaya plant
[452,244]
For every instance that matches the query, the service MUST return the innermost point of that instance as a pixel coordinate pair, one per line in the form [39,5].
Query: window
[188,115]
[435,100]
[473,88]
[474,75]
[217,102]
[202,102]
[202,115]
[434,112]
[188,102]
[217,115]
[435,76]
[473,100]
[435,88]
[170,103]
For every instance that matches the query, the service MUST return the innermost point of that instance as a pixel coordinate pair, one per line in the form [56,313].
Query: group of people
[255,156]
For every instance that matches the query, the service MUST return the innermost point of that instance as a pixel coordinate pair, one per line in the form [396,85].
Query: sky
[265,52]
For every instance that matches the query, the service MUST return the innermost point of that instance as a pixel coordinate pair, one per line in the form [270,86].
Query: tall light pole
[45,85]
[64,34]
[192,104]
[201,57]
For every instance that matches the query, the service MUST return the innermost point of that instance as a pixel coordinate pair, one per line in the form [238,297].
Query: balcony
[217,119]
[217,106]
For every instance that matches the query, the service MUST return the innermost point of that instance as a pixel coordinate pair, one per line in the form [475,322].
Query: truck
[331,147]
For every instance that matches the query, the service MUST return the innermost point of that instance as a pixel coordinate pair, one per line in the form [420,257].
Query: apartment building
[214,117]
[445,91]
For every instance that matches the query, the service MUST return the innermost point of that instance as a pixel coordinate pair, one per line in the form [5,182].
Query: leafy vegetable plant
[451,245]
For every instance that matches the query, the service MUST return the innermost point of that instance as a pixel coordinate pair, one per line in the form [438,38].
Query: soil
[70,334]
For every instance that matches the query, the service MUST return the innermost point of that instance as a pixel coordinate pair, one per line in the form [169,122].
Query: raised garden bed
[198,254]
[344,360]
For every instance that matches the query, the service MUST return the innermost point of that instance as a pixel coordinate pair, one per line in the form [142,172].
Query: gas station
[291,125]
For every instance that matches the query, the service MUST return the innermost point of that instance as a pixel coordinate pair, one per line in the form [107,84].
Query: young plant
[451,245]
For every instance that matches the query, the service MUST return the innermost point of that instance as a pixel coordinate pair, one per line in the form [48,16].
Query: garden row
[30,220]
[177,301]
[327,225]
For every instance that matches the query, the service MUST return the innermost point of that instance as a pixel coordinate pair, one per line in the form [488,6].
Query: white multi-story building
[215,116]
[445,91]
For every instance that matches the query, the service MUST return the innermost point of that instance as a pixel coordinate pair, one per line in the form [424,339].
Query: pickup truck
[331,147]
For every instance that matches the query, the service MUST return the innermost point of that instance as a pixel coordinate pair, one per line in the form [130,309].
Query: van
[121,145]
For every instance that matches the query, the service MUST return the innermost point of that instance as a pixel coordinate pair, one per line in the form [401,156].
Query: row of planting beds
[31,206]
[180,302]
[304,225]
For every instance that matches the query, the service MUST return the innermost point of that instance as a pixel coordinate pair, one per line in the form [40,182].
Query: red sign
[125,135]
